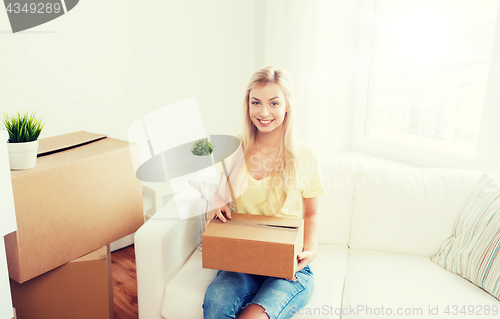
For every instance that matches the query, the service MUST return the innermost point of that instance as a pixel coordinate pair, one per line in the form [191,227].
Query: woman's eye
[255,103]
[274,104]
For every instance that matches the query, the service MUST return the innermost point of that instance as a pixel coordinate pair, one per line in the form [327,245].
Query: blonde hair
[284,169]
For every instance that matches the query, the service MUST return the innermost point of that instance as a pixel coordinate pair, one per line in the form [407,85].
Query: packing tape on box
[257,224]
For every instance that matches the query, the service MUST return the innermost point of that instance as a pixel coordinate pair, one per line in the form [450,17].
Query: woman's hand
[219,211]
[311,231]
[305,258]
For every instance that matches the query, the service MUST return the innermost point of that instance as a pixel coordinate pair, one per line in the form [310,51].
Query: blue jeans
[230,292]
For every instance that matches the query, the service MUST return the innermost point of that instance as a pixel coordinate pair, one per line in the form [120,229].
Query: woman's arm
[311,231]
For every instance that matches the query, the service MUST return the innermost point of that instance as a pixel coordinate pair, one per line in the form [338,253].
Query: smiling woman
[277,183]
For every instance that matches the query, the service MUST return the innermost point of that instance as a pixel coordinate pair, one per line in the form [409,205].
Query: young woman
[279,173]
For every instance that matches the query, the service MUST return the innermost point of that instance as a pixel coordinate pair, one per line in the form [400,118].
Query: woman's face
[267,107]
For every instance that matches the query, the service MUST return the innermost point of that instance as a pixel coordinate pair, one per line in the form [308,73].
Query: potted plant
[23,130]
[202,147]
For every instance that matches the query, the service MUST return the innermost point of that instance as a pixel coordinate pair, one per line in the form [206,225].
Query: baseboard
[122,242]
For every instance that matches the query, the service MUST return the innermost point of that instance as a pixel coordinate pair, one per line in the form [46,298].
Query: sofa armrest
[162,246]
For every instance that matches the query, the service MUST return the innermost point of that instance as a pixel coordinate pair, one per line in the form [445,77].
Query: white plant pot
[22,155]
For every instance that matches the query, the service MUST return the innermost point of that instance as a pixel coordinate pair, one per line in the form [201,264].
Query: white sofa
[380,224]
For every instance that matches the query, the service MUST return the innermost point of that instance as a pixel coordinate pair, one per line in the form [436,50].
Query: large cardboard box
[254,244]
[83,194]
[80,289]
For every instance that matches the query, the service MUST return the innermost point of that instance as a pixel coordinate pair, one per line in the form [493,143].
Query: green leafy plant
[23,127]
[202,147]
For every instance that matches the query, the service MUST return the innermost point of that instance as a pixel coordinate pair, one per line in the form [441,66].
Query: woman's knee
[227,293]
[253,311]
[215,307]
[219,297]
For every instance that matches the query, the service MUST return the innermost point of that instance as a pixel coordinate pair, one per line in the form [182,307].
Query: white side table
[157,192]
[7,225]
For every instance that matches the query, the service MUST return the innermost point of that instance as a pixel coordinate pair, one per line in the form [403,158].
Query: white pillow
[473,250]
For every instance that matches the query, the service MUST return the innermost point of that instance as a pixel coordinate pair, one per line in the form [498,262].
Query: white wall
[315,41]
[104,64]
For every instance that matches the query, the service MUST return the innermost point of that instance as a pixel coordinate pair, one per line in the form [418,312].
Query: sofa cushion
[329,269]
[473,250]
[409,211]
[184,294]
[389,280]
[341,175]
[335,207]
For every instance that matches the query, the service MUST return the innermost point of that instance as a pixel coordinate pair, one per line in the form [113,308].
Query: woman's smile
[265,122]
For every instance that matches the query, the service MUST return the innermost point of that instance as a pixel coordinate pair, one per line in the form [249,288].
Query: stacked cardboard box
[82,288]
[81,196]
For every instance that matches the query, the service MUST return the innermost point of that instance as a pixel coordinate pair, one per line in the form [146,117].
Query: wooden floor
[124,283]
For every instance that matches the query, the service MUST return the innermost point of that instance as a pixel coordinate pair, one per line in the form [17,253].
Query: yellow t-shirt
[310,185]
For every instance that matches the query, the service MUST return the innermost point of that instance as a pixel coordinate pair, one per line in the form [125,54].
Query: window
[428,81]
